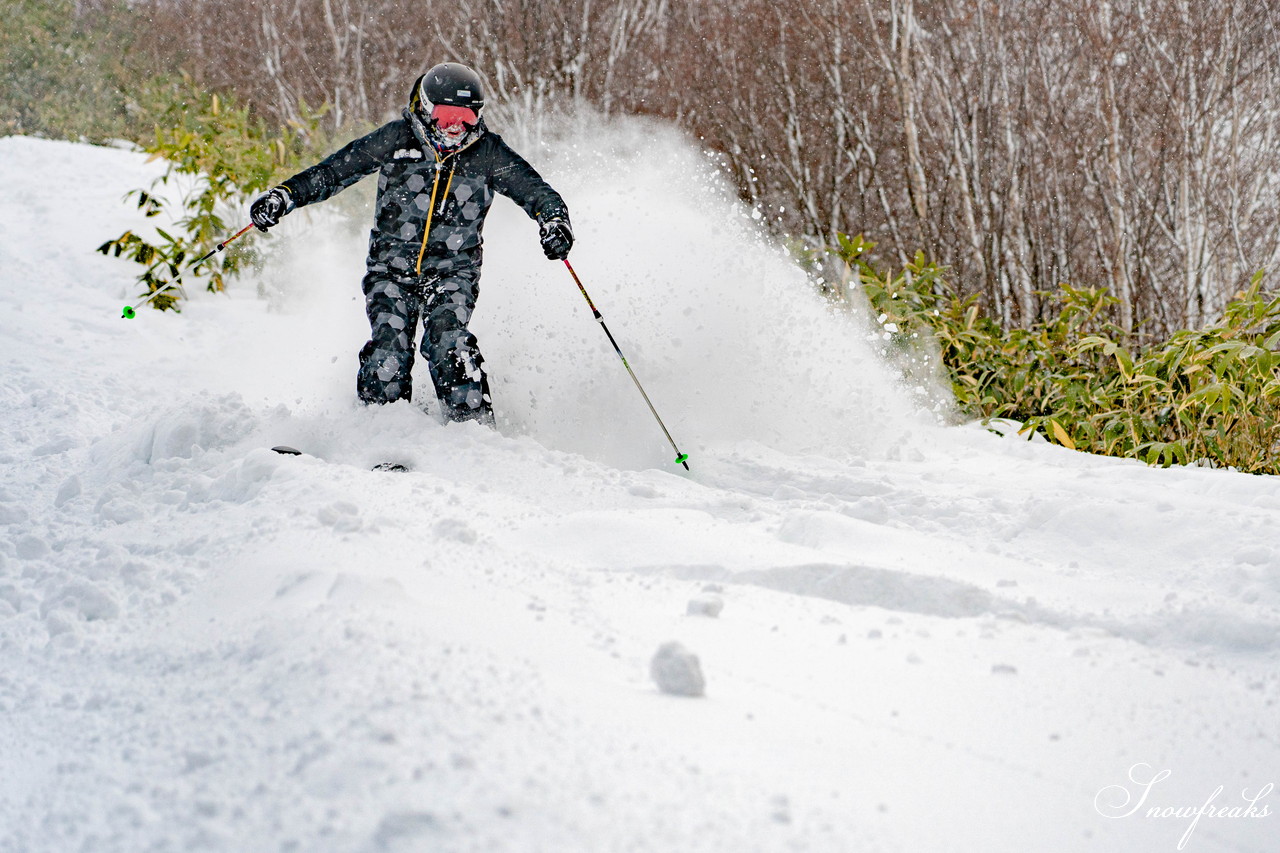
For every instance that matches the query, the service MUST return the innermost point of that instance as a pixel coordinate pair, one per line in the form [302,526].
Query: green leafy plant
[163,263]
[231,156]
[1207,396]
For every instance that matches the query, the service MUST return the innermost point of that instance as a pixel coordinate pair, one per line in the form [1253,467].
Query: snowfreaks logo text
[1119,801]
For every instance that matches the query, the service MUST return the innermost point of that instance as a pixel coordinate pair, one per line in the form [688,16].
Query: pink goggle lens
[446,116]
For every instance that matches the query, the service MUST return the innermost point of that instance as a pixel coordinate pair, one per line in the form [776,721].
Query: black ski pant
[444,301]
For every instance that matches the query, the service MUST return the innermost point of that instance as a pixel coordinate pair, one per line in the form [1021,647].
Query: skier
[439,169]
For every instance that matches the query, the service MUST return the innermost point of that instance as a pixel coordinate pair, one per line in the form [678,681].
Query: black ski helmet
[449,83]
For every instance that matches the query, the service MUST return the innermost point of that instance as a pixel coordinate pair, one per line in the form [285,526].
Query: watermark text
[1135,798]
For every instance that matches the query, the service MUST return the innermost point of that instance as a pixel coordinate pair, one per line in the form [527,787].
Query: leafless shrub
[1129,143]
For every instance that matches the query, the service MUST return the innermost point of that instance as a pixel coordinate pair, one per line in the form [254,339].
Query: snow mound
[676,670]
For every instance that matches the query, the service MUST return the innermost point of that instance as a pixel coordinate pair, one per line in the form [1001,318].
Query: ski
[286,450]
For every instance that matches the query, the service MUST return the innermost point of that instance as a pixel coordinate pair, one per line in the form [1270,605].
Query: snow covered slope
[932,639]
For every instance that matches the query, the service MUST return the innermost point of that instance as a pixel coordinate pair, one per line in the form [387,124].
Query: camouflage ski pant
[444,300]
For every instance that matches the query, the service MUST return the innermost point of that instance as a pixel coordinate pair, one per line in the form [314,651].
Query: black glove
[557,239]
[267,208]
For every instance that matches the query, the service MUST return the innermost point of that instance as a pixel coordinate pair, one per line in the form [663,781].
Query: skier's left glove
[557,239]
[267,208]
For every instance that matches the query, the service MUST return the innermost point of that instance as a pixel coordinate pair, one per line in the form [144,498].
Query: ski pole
[130,311]
[681,458]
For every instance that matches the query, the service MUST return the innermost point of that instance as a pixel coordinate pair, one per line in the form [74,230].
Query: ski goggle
[445,115]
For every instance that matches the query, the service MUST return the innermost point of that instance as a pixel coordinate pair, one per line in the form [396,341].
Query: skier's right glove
[267,208]
[557,239]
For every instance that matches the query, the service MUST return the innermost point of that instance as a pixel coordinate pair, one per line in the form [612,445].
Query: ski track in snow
[932,639]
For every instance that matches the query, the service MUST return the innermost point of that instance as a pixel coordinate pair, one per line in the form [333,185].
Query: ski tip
[286,450]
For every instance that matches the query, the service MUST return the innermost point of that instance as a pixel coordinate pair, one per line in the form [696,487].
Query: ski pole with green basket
[681,458]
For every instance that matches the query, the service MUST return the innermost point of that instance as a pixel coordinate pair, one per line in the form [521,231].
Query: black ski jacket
[412,175]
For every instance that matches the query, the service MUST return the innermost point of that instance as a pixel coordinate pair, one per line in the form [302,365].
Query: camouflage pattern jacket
[419,188]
